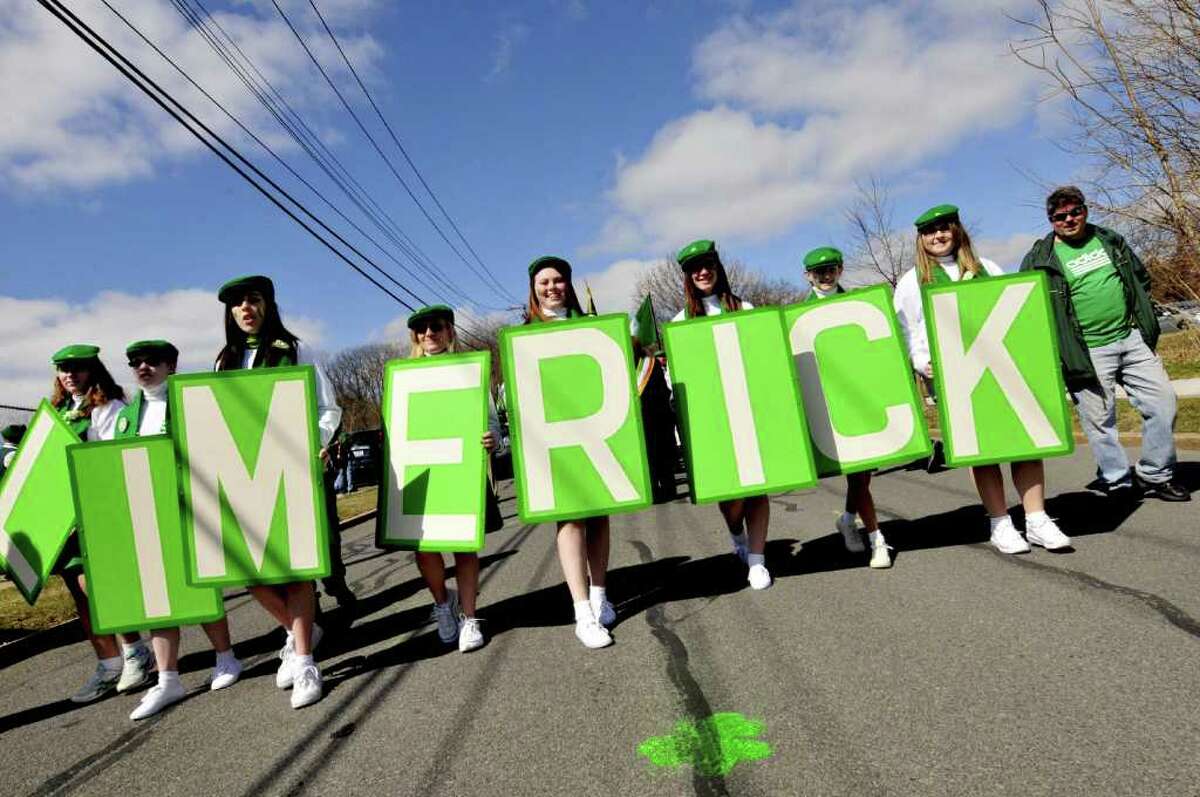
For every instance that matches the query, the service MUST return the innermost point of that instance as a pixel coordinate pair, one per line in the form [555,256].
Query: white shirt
[154,410]
[329,414]
[104,419]
[712,306]
[911,315]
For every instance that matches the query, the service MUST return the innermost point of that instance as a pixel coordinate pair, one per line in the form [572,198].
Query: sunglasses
[1073,213]
[74,366]
[937,226]
[432,326]
[153,362]
[824,271]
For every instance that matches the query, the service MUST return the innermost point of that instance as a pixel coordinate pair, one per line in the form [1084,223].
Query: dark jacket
[1076,363]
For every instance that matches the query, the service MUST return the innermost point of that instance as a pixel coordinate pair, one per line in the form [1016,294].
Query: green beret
[160,348]
[238,287]
[822,256]
[429,312]
[936,213]
[76,351]
[13,432]
[695,252]
[550,261]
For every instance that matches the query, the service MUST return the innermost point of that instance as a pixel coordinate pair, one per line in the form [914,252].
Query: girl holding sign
[431,332]
[255,337]
[706,292]
[823,268]
[944,254]
[582,544]
[152,361]
[89,400]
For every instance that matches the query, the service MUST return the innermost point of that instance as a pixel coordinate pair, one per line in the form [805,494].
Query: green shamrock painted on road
[713,746]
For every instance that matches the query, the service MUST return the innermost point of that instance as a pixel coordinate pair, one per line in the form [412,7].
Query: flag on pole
[644,328]
[591,303]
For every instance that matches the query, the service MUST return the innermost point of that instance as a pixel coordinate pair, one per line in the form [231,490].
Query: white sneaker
[446,617]
[284,675]
[470,636]
[307,688]
[1006,538]
[850,534]
[1048,535]
[100,684]
[759,577]
[881,556]
[136,669]
[605,612]
[225,674]
[158,698]
[592,634]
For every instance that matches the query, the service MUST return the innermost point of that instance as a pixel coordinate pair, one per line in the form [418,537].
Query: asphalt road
[958,671]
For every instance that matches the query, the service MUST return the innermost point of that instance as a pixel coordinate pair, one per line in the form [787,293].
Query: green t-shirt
[1096,291]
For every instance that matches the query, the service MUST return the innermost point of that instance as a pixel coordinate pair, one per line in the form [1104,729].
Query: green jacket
[1076,362]
[129,419]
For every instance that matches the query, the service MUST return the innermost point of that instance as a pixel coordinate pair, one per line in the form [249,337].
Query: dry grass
[1180,352]
[54,606]
[357,502]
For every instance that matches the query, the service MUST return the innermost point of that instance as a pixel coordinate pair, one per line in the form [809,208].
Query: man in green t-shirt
[1107,332]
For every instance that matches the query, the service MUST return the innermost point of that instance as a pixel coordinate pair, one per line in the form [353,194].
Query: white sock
[114,664]
[876,538]
[739,539]
[302,661]
[996,521]
[167,677]
[583,611]
[1035,519]
[597,595]
[847,519]
[127,648]
[226,656]
[753,559]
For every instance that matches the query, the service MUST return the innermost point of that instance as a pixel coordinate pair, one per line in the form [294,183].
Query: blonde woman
[583,543]
[706,292]
[943,255]
[431,332]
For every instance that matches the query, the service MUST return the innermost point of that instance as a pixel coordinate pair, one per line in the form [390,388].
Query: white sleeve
[746,305]
[493,424]
[8,457]
[104,420]
[991,269]
[678,316]
[329,414]
[909,312]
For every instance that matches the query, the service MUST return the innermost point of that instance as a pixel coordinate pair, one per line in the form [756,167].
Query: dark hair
[102,388]
[230,357]
[693,302]
[1063,195]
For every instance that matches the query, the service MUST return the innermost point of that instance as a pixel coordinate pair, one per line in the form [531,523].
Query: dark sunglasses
[937,226]
[432,325]
[153,362]
[1073,213]
[824,270]
[74,366]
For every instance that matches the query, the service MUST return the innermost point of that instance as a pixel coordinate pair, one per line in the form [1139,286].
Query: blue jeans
[1132,365]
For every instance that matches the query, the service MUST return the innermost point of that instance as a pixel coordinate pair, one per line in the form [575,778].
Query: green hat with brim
[822,256]
[550,261]
[13,432]
[157,348]
[432,311]
[238,287]
[76,351]
[936,213]
[695,253]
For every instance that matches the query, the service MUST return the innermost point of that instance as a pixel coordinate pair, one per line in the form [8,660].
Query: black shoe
[1122,493]
[1165,491]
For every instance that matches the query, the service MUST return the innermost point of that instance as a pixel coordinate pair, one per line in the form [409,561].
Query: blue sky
[611,133]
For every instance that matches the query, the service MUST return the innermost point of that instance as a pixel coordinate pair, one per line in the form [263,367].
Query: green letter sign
[860,400]
[435,411]
[126,494]
[743,430]
[253,500]
[577,437]
[995,360]
[36,510]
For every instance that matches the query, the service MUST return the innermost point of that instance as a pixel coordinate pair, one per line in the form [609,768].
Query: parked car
[364,456]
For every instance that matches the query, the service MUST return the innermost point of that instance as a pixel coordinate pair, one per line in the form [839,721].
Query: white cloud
[613,288]
[1006,252]
[806,102]
[72,120]
[507,40]
[31,330]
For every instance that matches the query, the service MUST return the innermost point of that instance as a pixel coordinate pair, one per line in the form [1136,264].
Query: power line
[391,167]
[404,152]
[157,94]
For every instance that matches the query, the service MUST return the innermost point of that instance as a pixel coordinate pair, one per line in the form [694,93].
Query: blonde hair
[964,255]
[417,351]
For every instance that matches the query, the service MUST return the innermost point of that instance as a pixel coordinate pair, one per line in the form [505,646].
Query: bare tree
[357,377]
[881,252]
